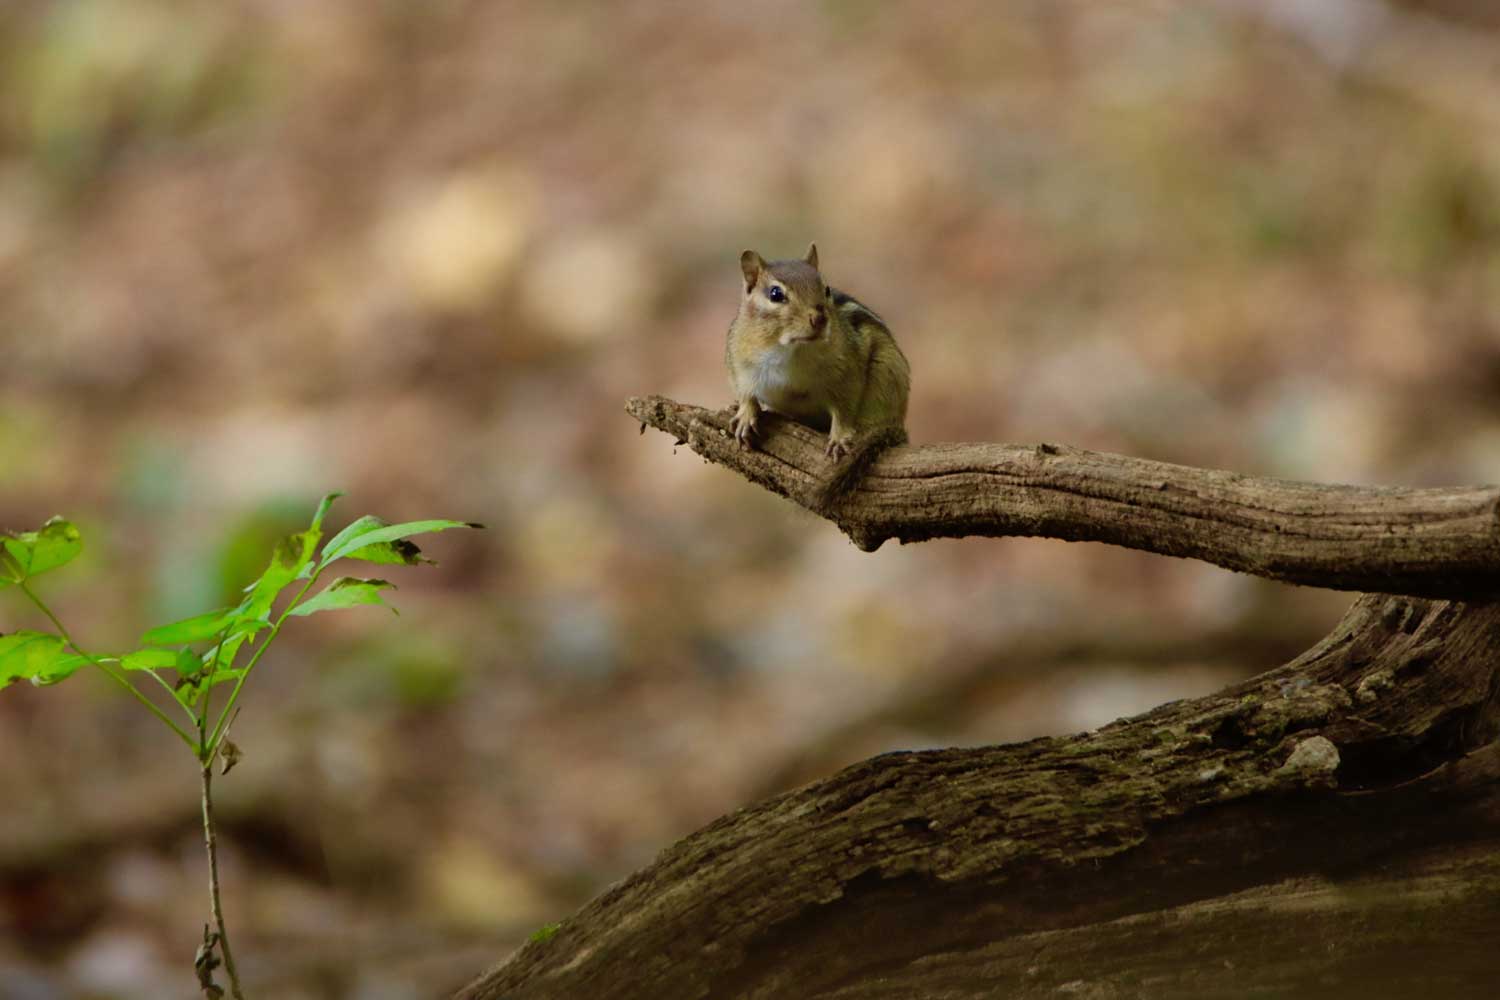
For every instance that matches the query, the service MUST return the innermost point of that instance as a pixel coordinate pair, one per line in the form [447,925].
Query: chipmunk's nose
[818,319]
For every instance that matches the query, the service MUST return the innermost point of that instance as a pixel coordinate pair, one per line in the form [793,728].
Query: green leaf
[65,666]
[398,553]
[33,552]
[345,592]
[195,629]
[239,633]
[214,660]
[188,663]
[32,656]
[359,526]
[293,554]
[188,689]
[148,659]
[370,539]
[317,521]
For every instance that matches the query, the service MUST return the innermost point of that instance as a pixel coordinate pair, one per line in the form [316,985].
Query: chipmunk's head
[787,298]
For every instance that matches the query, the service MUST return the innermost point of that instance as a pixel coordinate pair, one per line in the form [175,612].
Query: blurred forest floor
[256,250]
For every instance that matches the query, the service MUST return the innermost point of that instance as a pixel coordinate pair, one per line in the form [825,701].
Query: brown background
[253,251]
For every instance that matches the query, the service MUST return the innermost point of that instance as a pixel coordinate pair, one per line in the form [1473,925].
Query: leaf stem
[134,691]
[192,718]
[206,696]
[210,842]
[213,743]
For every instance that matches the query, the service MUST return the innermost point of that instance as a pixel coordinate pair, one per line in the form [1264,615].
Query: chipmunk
[819,356]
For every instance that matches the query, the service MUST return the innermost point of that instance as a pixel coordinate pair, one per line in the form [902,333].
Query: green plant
[189,659]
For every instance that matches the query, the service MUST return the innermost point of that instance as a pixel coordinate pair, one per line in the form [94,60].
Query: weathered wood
[1420,925]
[1174,854]
[1417,542]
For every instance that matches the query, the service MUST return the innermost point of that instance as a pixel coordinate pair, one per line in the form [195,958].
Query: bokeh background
[255,250]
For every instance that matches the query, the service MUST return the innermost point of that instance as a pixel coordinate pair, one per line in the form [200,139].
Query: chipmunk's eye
[776,294]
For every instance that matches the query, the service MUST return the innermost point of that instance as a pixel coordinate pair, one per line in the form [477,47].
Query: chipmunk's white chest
[787,380]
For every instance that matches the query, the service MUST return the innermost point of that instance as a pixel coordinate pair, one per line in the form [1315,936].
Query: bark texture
[1328,828]
[1418,542]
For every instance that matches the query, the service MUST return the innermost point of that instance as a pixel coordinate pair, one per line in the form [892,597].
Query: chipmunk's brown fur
[823,358]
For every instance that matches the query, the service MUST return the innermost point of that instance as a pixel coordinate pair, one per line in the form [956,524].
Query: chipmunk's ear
[811,257]
[751,263]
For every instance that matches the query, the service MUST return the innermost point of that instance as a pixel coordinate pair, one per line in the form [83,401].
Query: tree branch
[1418,542]
[972,873]
[1171,855]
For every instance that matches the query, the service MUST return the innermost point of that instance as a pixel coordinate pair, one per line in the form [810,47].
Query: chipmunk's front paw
[839,446]
[744,425]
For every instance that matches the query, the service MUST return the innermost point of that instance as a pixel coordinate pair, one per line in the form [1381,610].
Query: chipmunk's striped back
[855,311]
